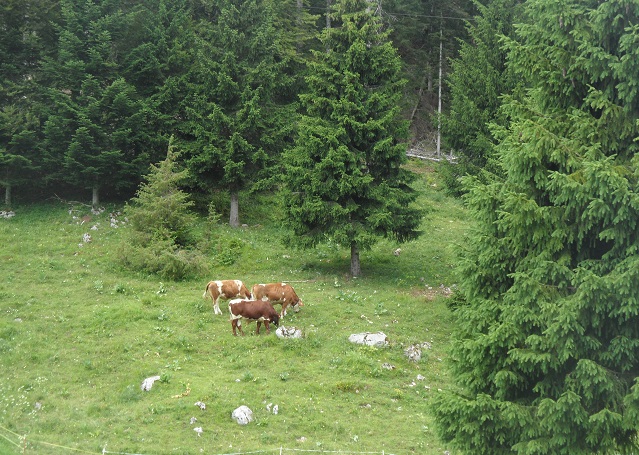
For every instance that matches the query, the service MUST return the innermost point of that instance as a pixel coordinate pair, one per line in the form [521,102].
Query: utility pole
[439,108]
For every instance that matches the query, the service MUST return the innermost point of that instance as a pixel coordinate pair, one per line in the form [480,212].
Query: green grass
[79,334]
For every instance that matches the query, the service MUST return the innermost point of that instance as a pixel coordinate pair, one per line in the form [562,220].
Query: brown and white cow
[277,293]
[225,289]
[252,310]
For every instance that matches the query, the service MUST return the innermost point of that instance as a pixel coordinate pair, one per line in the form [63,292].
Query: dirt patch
[420,167]
[430,293]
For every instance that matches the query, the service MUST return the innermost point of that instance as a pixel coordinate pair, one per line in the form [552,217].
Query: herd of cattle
[256,305]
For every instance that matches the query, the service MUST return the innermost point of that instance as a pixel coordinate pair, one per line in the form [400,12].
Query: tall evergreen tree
[153,42]
[345,179]
[160,238]
[95,132]
[19,154]
[161,50]
[24,41]
[233,107]
[546,354]
[477,81]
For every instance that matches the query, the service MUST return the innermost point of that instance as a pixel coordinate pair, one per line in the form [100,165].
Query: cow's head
[297,306]
[275,319]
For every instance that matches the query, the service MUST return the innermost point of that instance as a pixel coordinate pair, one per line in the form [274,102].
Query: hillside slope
[78,336]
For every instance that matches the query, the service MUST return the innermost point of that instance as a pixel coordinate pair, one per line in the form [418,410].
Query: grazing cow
[252,310]
[225,289]
[277,293]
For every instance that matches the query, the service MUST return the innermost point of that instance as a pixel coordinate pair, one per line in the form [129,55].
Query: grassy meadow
[79,334]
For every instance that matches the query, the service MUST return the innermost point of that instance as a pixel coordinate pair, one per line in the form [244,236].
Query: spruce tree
[96,130]
[546,352]
[345,179]
[235,115]
[19,154]
[160,237]
[24,29]
[477,80]
[160,40]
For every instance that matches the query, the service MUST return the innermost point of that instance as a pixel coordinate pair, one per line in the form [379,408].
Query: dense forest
[91,92]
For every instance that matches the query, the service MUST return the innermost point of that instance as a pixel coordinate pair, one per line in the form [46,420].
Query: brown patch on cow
[228,290]
[252,310]
[280,293]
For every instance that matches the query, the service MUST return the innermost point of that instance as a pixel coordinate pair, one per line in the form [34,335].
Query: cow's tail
[255,291]
[206,291]
[244,292]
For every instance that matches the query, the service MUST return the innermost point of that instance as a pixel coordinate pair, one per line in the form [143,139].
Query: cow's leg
[268,330]
[233,326]
[259,323]
[239,326]
[216,306]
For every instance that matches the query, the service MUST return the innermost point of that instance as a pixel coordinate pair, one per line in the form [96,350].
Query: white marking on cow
[222,289]
[233,316]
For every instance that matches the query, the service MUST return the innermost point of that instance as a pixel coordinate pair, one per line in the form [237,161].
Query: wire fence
[26,445]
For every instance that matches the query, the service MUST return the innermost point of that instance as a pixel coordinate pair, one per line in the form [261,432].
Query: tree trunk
[95,201]
[7,195]
[356,269]
[234,219]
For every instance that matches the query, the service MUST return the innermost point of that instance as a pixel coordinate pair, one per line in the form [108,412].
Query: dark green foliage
[96,131]
[418,29]
[160,238]
[235,116]
[547,347]
[24,29]
[344,178]
[19,128]
[92,91]
[477,80]
[160,52]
